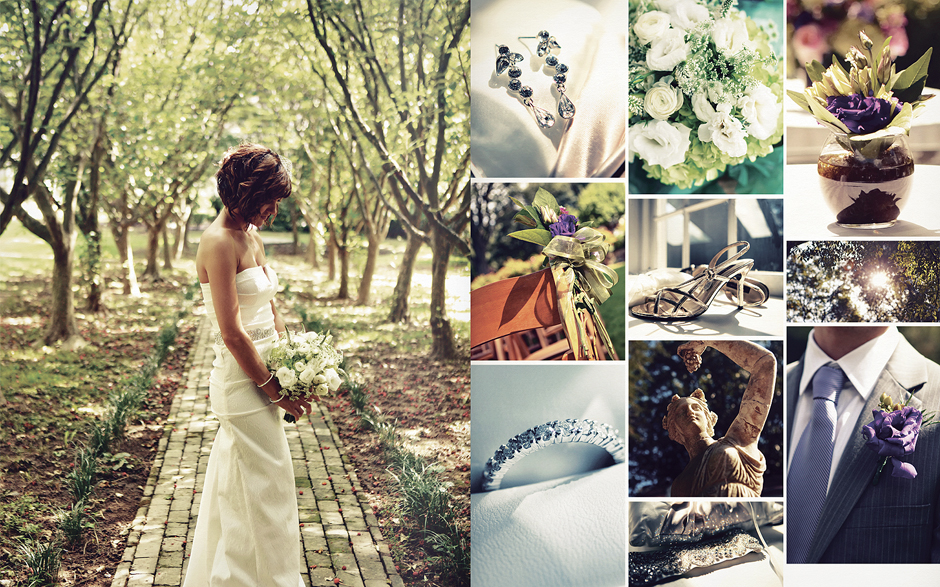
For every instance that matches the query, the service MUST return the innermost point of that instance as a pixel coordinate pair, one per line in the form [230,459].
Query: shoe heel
[743,276]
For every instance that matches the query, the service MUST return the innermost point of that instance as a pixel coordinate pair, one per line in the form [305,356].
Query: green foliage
[601,203]
[81,479]
[18,517]
[852,281]
[74,521]
[42,561]
[424,496]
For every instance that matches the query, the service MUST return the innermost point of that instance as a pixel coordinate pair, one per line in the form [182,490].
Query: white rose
[300,366]
[761,111]
[667,51]
[702,108]
[322,389]
[333,379]
[319,379]
[663,99]
[725,131]
[660,143]
[307,375]
[286,377]
[687,13]
[651,25]
[665,5]
[730,35]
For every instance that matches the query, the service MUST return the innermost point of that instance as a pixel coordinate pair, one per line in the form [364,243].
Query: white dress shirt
[862,367]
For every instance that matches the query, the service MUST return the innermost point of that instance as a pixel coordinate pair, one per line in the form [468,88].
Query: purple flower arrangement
[872,99]
[893,434]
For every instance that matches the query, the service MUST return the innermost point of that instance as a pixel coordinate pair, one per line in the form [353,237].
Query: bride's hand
[295,408]
[691,353]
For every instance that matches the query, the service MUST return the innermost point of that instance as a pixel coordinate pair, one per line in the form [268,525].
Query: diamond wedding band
[554,432]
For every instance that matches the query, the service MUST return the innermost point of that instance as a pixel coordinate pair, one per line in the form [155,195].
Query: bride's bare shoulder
[216,246]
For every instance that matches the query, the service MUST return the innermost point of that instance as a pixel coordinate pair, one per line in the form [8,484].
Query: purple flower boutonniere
[893,434]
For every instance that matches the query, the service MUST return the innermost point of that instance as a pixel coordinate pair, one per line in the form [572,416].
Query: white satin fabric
[565,532]
[247,533]
[505,140]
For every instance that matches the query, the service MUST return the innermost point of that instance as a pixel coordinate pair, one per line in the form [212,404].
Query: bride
[731,466]
[247,533]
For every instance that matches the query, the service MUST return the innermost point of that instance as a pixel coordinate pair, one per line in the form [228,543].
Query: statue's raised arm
[730,466]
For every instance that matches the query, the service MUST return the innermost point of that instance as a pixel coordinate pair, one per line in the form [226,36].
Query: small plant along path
[53,396]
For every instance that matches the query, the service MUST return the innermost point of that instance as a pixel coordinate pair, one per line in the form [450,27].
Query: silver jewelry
[506,60]
[547,42]
[554,432]
[268,380]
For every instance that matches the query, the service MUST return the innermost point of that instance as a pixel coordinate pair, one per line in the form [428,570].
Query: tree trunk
[331,259]
[294,214]
[343,253]
[128,274]
[93,303]
[180,234]
[167,248]
[62,325]
[312,252]
[365,284]
[399,311]
[442,335]
[152,272]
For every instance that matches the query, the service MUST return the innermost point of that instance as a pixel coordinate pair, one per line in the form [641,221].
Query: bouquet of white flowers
[706,89]
[305,364]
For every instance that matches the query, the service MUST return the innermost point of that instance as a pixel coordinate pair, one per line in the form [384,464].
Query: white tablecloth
[806,216]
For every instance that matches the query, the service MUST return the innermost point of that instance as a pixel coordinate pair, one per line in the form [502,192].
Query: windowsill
[723,318]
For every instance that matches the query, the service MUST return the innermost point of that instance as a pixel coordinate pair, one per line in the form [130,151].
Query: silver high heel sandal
[691,299]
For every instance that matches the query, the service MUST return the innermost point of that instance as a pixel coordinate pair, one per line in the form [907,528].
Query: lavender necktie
[809,471]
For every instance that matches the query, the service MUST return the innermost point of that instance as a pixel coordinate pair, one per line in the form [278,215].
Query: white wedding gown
[247,531]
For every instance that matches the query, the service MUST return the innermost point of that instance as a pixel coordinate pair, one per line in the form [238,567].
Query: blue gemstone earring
[547,43]
[506,61]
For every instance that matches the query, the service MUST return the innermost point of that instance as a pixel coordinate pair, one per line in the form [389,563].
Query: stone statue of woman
[730,466]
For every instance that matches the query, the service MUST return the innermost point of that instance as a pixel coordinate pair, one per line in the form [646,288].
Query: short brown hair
[250,176]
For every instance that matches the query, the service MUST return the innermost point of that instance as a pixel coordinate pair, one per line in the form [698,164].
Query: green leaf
[911,81]
[525,219]
[538,236]
[827,118]
[800,99]
[815,71]
[543,198]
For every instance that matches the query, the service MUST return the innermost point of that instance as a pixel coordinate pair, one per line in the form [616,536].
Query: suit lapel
[906,371]
[792,395]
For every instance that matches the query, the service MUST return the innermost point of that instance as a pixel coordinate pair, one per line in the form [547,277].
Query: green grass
[612,311]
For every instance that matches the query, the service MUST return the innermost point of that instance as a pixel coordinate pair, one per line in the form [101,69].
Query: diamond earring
[506,60]
[547,42]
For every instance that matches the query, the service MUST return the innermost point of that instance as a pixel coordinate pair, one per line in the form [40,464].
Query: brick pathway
[337,530]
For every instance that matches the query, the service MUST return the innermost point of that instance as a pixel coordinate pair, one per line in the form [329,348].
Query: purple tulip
[566,225]
[861,114]
[894,434]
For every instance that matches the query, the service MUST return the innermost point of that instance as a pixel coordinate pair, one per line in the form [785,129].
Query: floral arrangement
[705,87]
[575,252]
[822,27]
[305,364]
[893,434]
[872,99]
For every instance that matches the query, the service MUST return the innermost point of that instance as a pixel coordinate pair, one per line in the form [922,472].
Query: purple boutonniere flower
[567,225]
[893,435]
[861,114]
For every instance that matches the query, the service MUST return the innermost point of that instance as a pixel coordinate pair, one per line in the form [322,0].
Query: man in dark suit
[897,520]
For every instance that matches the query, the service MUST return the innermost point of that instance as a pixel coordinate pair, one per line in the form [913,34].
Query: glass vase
[866,183]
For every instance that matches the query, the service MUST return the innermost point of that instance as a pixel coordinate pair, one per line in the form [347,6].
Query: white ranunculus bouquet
[706,89]
[305,364]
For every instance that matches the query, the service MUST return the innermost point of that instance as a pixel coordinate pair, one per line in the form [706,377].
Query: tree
[392,70]
[58,54]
